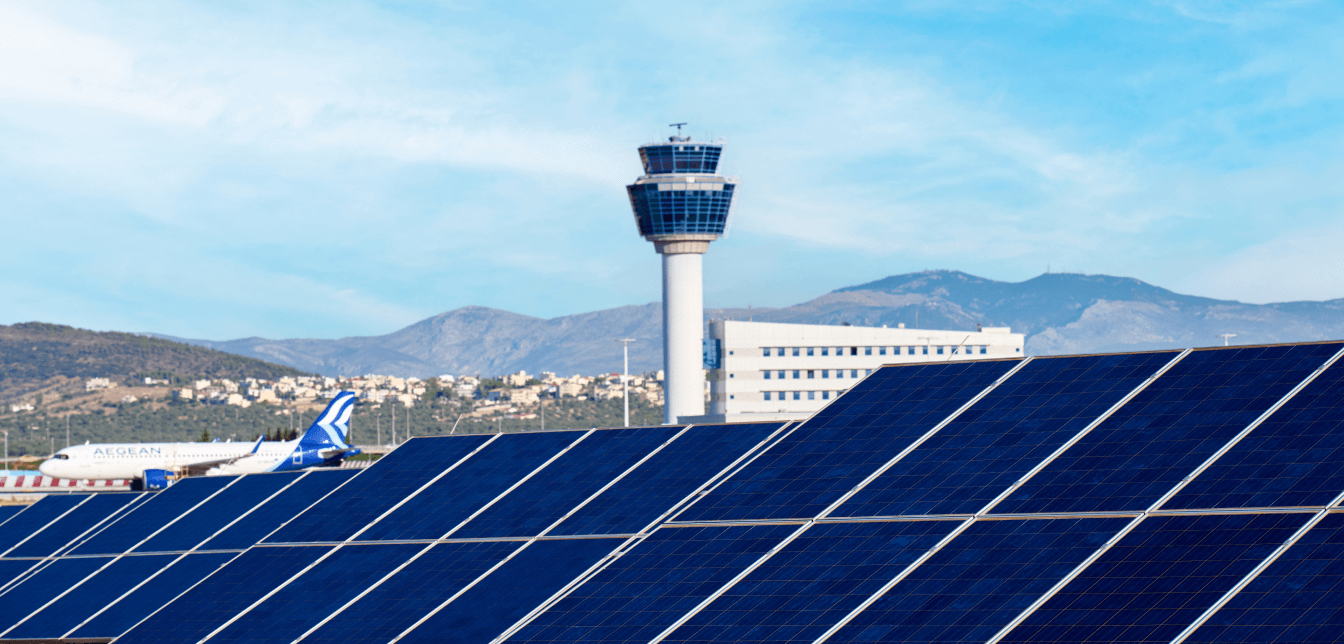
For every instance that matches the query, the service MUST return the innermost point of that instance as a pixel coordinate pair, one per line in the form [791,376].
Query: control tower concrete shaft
[681,205]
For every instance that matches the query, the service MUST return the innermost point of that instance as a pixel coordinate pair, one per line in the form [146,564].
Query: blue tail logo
[332,425]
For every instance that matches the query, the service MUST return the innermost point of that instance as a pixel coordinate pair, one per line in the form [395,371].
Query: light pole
[6,452]
[926,348]
[625,379]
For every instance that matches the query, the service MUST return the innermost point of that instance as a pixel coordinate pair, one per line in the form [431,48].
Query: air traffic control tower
[681,205]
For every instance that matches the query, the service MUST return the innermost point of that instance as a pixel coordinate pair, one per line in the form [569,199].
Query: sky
[330,169]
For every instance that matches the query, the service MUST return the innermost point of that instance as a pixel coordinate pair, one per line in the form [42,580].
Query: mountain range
[1061,313]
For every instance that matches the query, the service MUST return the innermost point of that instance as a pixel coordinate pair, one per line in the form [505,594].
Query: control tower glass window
[680,158]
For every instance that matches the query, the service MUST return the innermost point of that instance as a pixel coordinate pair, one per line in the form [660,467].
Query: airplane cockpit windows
[62,457]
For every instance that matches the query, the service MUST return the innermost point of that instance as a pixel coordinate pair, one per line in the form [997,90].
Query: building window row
[881,351]
[799,374]
[800,395]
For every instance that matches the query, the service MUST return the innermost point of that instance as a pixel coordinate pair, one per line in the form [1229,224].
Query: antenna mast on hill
[1226,336]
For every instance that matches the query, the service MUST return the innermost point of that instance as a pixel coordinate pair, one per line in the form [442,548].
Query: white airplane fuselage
[130,460]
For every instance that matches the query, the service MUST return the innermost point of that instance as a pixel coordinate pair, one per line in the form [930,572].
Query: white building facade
[767,371]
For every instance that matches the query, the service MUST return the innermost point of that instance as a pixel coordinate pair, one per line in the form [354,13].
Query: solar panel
[80,602]
[211,603]
[37,516]
[994,443]
[81,519]
[1169,429]
[272,513]
[676,471]
[1144,494]
[18,601]
[650,587]
[386,483]
[136,604]
[221,509]
[491,606]
[437,509]
[1290,460]
[1298,598]
[402,599]
[846,441]
[583,470]
[319,591]
[1157,579]
[813,582]
[980,581]
[146,518]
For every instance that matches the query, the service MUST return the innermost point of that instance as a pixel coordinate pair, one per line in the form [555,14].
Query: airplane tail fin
[332,425]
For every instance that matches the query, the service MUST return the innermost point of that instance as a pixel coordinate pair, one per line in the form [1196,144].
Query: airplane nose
[50,467]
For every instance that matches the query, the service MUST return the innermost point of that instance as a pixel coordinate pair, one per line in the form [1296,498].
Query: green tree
[205,436]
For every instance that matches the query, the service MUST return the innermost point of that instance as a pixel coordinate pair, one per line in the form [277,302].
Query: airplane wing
[197,469]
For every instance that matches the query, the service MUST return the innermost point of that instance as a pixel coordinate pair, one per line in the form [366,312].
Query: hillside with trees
[39,358]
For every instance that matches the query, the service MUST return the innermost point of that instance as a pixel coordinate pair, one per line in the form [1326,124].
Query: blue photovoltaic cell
[667,478]
[511,592]
[285,506]
[994,443]
[147,517]
[813,582]
[7,512]
[10,569]
[173,581]
[36,516]
[216,513]
[1298,598]
[433,512]
[573,477]
[21,600]
[317,593]
[1158,579]
[77,605]
[385,484]
[980,581]
[1291,459]
[224,594]
[79,521]
[1168,430]
[846,441]
[654,584]
[412,593]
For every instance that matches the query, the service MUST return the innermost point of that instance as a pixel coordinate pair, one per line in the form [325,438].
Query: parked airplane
[322,445]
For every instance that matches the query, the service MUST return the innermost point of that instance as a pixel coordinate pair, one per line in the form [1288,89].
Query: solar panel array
[1152,497]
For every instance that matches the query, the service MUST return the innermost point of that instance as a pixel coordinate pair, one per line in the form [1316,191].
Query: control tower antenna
[678,126]
[681,204]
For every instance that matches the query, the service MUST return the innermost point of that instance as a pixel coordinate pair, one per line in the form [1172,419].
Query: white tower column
[683,331]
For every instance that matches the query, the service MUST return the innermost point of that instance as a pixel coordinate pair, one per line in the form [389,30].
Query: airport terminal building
[768,371]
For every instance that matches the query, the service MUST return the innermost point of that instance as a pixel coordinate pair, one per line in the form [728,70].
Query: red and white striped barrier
[38,481]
